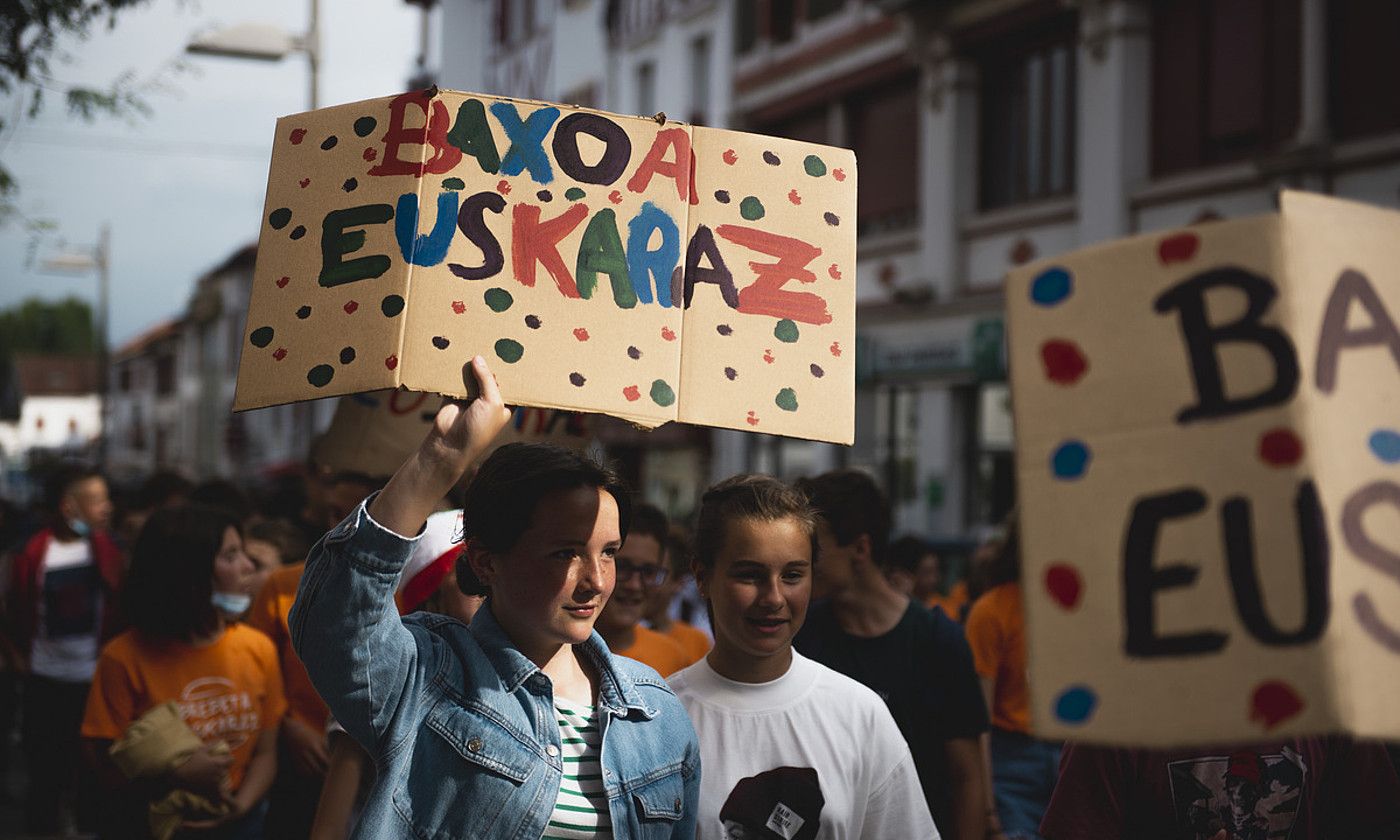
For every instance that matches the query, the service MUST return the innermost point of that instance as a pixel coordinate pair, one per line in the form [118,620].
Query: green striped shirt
[581,812]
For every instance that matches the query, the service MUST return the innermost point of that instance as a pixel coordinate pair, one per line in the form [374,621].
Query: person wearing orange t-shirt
[694,641]
[1024,768]
[188,577]
[641,568]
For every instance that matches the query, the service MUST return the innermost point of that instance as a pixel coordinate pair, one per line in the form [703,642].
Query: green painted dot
[320,376]
[787,399]
[279,218]
[751,208]
[363,126]
[573,193]
[261,337]
[391,305]
[509,350]
[454,184]
[815,166]
[498,299]
[786,331]
[661,393]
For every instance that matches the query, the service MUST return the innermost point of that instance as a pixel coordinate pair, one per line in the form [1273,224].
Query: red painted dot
[458,307]
[1273,702]
[1280,448]
[752,419]
[838,174]
[298,135]
[729,157]
[615,197]
[370,154]
[1063,583]
[833,271]
[768,356]
[581,334]
[391,362]
[667,334]
[1178,248]
[283,281]
[794,197]
[280,353]
[351,306]
[632,393]
[503,187]
[305,182]
[1064,363]
[836,348]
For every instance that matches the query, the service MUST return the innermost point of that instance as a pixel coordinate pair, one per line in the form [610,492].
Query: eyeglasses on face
[652,574]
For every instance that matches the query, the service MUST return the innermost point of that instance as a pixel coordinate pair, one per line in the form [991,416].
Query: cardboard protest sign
[374,433]
[1208,455]
[631,266]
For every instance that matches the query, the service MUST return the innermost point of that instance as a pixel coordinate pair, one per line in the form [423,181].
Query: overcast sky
[182,189]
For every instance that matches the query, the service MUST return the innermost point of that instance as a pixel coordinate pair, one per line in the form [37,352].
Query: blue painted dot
[1076,703]
[1052,286]
[1070,460]
[1385,443]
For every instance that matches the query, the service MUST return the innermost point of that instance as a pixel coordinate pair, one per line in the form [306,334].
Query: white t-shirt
[70,614]
[812,755]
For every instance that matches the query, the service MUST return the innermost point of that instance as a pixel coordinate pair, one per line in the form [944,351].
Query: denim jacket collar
[616,691]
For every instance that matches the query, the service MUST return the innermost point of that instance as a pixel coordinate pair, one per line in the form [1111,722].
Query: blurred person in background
[160,489]
[662,601]
[915,658]
[641,569]
[223,494]
[914,569]
[303,751]
[272,544]
[188,576]
[1024,768]
[63,603]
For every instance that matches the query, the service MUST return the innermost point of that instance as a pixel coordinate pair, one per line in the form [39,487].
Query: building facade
[990,133]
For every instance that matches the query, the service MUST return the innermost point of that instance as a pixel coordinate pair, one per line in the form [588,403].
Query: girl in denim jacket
[522,725]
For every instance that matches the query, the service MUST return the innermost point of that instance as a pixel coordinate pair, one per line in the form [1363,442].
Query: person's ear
[482,562]
[702,579]
[862,552]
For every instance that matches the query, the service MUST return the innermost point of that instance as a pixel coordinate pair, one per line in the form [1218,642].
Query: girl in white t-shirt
[791,749]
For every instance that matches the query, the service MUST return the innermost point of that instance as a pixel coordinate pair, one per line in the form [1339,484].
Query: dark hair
[648,519]
[906,553]
[289,541]
[852,504]
[64,479]
[223,494]
[679,550]
[1005,566]
[502,498]
[747,496]
[161,488]
[172,571]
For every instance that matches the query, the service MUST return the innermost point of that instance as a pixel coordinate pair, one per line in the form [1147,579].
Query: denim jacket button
[474,745]
[552,750]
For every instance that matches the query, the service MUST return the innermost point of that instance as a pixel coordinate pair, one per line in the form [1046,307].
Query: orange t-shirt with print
[230,690]
[691,639]
[657,650]
[269,614]
[996,632]
[952,604]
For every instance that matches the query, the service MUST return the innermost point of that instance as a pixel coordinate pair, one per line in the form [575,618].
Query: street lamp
[265,42]
[95,259]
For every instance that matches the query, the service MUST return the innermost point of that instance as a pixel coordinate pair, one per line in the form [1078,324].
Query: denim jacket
[460,724]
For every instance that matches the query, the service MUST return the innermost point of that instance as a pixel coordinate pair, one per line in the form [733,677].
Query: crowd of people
[536,653]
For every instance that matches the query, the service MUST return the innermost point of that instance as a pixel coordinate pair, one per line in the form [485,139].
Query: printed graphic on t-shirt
[1250,796]
[71,601]
[217,710]
[784,803]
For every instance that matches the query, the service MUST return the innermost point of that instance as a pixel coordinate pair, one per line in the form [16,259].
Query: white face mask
[231,603]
